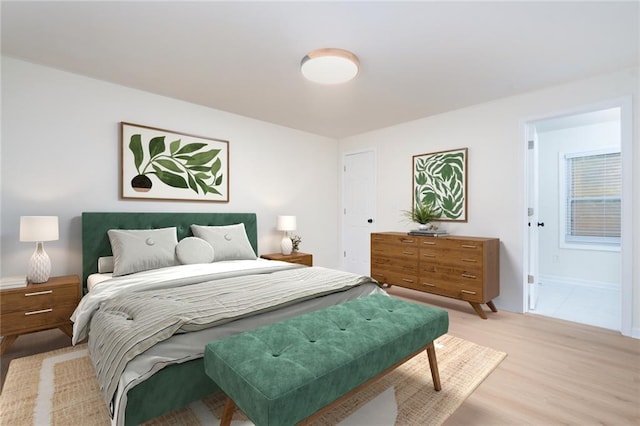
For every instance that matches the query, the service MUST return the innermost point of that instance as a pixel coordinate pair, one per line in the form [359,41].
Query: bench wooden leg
[433,364]
[227,414]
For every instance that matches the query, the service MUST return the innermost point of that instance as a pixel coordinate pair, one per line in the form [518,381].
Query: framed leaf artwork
[163,164]
[440,180]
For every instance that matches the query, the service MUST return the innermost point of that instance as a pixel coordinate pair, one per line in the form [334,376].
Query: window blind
[594,187]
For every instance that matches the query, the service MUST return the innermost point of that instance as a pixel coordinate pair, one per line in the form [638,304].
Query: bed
[171,374]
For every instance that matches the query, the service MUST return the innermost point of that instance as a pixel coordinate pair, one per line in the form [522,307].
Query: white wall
[60,156]
[587,266]
[494,134]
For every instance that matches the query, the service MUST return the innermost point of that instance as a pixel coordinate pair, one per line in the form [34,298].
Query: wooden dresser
[465,268]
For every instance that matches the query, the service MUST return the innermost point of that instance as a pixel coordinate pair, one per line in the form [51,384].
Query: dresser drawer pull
[407,252]
[378,239]
[42,311]
[467,292]
[38,293]
[428,255]
[406,241]
[429,243]
[469,276]
[469,246]
[470,260]
[429,284]
[407,280]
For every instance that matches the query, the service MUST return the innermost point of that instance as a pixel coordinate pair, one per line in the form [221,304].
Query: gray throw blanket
[128,325]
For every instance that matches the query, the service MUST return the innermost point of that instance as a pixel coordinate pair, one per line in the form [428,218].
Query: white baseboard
[557,280]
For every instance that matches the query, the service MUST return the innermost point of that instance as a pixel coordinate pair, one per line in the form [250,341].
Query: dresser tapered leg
[478,309]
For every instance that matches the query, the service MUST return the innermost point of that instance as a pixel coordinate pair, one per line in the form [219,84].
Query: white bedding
[95,279]
[172,276]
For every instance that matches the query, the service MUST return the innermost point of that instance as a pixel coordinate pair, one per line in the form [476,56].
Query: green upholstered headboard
[95,241]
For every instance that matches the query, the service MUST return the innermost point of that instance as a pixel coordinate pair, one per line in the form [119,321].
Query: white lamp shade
[39,228]
[286,223]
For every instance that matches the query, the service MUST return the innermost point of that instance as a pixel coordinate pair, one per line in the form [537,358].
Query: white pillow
[105,264]
[229,242]
[192,250]
[141,250]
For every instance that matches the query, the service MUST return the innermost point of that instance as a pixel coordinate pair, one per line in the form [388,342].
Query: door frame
[532,177]
[626,246]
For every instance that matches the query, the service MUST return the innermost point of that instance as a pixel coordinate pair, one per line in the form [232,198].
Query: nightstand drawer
[35,298]
[36,319]
[298,258]
[301,261]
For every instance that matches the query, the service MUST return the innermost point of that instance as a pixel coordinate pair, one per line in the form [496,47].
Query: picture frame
[160,164]
[440,180]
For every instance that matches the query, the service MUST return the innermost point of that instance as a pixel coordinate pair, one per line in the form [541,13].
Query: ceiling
[417,58]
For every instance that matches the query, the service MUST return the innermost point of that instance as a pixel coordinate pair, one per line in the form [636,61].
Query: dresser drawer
[446,274]
[455,270]
[455,252]
[386,276]
[452,242]
[451,289]
[402,262]
[396,239]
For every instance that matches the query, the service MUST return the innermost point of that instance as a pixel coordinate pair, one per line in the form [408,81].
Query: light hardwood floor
[556,372]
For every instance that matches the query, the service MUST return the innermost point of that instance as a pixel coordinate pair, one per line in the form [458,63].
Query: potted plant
[295,243]
[422,214]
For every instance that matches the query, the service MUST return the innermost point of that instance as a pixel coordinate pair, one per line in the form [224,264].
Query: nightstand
[38,307]
[297,257]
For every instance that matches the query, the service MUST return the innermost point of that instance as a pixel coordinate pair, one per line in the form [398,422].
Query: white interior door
[359,209]
[532,214]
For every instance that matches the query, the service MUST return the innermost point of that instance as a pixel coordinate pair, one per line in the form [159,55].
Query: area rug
[60,388]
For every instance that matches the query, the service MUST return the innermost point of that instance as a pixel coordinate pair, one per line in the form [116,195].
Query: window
[593,198]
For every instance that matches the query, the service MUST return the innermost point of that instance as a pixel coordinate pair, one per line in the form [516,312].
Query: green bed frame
[177,385]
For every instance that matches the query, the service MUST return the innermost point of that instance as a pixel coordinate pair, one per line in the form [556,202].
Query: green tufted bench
[282,373]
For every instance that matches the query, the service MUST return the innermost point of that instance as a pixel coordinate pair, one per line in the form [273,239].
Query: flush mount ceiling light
[329,66]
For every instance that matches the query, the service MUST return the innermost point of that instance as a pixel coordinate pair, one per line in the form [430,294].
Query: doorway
[359,189]
[576,191]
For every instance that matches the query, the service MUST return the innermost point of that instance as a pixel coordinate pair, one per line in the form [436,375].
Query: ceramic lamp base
[39,265]
[286,245]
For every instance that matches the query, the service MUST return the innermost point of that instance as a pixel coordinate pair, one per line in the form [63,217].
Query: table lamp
[39,229]
[286,224]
